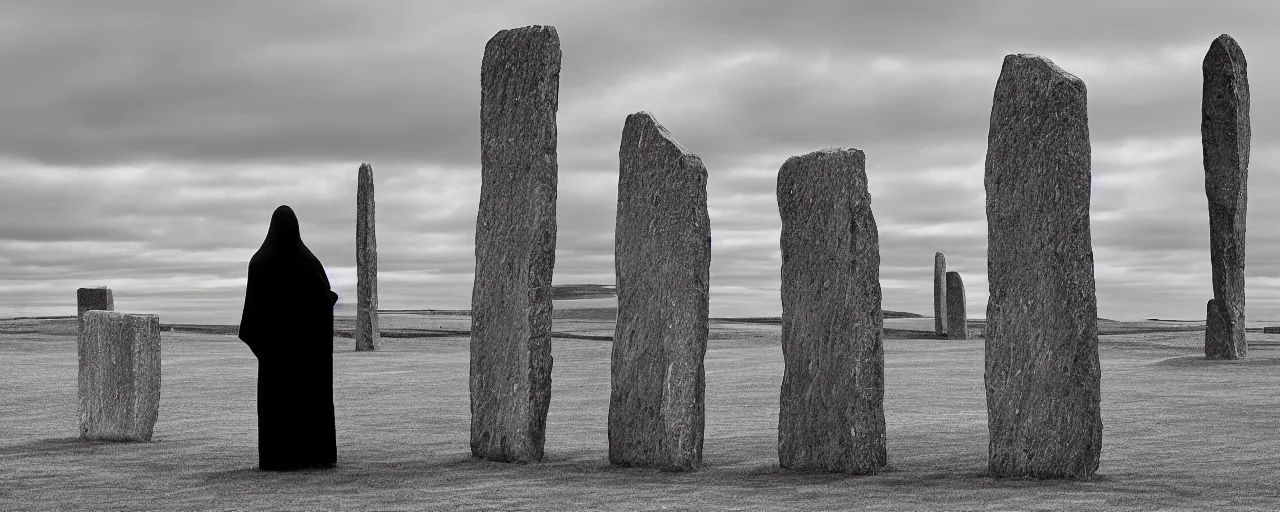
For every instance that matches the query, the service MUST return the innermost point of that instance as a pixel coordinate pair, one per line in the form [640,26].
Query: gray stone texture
[939,293]
[831,416]
[87,299]
[1042,373]
[119,379]
[367,335]
[515,245]
[957,317]
[1224,133]
[662,256]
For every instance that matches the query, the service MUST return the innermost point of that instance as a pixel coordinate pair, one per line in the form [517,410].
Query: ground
[1180,432]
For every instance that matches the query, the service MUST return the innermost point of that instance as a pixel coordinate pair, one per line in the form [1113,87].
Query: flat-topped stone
[88,299]
[662,247]
[1042,371]
[119,378]
[831,416]
[510,379]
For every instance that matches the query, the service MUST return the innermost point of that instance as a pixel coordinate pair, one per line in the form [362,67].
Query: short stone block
[87,299]
[119,377]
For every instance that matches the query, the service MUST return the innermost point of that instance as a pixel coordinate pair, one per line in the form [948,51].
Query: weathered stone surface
[1224,133]
[119,380]
[1271,329]
[87,299]
[939,293]
[957,317]
[662,255]
[366,331]
[831,415]
[1042,374]
[515,245]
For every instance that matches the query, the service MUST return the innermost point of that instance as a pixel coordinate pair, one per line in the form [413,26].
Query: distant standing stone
[1042,373]
[87,299]
[1225,135]
[515,245]
[831,416]
[367,335]
[662,254]
[1271,330]
[119,380]
[957,318]
[939,293]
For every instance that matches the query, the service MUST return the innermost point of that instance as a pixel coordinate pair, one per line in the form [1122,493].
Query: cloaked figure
[288,323]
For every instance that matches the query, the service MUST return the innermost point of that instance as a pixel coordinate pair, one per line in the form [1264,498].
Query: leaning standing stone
[87,299]
[662,254]
[1042,373]
[831,415]
[957,317]
[119,376]
[366,333]
[515,245]
[939,294]
[1224,132]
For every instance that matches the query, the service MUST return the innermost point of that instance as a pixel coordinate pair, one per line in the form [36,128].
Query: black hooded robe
[288,324]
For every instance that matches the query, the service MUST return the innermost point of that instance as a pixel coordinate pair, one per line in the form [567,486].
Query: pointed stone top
[1040,64]
[365,167]
[938,256]
[640,124]
[1225,45]
[1226,40]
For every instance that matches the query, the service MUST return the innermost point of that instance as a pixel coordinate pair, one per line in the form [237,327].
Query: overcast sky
[144,145]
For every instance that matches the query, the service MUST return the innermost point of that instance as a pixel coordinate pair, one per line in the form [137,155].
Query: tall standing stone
[515,245]
[367,335]
[939,293]
[662,255]
[87,299]
[957,317]
[1225,136]
[831,415]
[1042,374]
[119,379]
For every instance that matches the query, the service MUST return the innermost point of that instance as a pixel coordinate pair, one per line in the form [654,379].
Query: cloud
[144,144]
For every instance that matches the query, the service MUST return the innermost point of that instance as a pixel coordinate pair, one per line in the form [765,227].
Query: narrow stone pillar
[367,335]
[119,380]
[957,316]
[1225,137]
[662,254]
[831,415]
[515,245]
[939,294]
[1042,373]
[87,299]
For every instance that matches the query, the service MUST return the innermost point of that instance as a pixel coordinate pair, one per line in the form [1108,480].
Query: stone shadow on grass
[1200,361]
[60,444]
[67,445]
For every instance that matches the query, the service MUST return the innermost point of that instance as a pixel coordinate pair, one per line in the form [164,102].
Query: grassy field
[1181,433]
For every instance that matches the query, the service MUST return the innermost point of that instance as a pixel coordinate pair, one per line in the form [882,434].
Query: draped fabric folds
[288,324]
